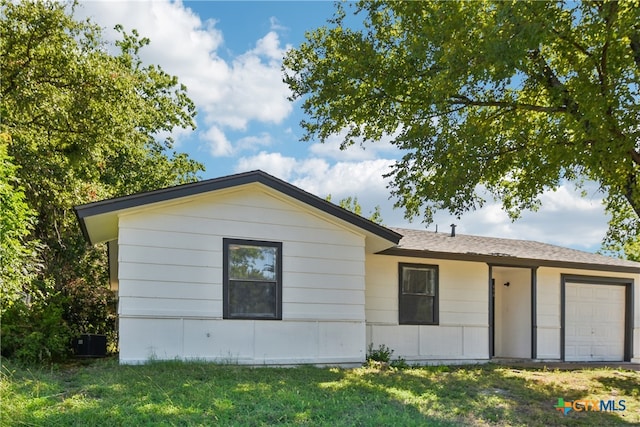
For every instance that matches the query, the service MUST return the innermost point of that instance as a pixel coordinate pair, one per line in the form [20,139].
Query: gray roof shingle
[494,250]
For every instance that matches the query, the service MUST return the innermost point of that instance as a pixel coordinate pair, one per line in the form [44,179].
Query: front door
[511,314]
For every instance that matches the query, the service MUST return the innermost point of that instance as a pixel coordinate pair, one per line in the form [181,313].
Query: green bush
[39,328]
[381,354]
[91,308]
[381,357]
[399,363]
[33,331]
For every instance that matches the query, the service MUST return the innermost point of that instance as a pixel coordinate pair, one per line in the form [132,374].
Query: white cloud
[342,179]
[567,197]
[275,24]
[317,176]
[255,90]
[331,149]
[178,135]
[361,179]
[253,142]
[370,150]
[228,94]
[565,218]
[269,46]
[273,163]
[219,145]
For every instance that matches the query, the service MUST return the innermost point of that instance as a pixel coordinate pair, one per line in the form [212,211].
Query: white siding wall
[170,279]
[463,329]
[463,332]
[549,306]
[548,313]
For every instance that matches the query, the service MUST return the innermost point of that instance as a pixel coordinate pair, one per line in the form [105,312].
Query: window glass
[418,299]
[418,281]
[416,309]
[254,299]
[252,277]
[252,262]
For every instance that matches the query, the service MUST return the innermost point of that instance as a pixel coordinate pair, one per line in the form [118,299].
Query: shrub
[399,363]
[381,358]
[382,354]
[33,331]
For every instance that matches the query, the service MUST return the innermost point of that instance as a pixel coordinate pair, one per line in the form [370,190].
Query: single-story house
[250,269]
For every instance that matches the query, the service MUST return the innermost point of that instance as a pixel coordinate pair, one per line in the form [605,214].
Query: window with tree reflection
[418,294]
[252,279]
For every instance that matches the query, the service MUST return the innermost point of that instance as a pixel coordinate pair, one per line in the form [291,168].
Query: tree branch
[634,44]
[553,84]
[464,100]
[602,67]
[631,193]
[33,41]
[572,42]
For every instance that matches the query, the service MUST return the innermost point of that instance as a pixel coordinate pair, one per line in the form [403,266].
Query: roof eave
[166,194]
[83,225]
[508,260]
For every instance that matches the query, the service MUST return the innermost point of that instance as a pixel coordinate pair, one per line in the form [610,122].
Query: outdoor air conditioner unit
[90,345]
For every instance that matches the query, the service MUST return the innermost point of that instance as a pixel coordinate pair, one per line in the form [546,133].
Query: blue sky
[229,54]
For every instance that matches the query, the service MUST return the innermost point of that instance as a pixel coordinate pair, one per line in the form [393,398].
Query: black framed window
[252,279]
[418,294]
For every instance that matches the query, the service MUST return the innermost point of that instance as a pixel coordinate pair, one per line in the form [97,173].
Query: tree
[509,97]
[19,262]
[84,124]
[622,237]
[351,204]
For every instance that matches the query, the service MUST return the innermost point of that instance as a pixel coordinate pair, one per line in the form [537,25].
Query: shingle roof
[428,244]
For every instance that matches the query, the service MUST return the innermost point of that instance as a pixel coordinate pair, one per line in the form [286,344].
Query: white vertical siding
[463,330]
[548,313]
[170,274]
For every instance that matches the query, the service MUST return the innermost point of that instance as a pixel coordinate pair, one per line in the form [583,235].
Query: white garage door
[594,322]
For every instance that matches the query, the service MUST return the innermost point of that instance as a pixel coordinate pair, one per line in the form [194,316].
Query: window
[252,279]
[418,297]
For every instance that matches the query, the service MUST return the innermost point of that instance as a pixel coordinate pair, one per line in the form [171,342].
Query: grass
[101,392]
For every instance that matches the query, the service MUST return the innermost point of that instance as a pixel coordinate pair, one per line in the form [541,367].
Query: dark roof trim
[83,226]
[258,176]
[507,260]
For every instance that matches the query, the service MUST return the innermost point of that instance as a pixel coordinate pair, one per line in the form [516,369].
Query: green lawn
[173,393]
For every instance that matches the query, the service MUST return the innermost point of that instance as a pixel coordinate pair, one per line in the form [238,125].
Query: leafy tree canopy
[81,121]
[511,97]
[16,222]
[351,204]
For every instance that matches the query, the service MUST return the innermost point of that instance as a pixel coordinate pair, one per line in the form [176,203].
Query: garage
[595,321]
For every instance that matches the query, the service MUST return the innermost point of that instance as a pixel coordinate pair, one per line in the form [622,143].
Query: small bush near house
[381,354]
[399,363]
[381,358]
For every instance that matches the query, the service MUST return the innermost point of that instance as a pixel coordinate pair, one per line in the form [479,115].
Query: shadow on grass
[622,384]
[486,394]
[176,393]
